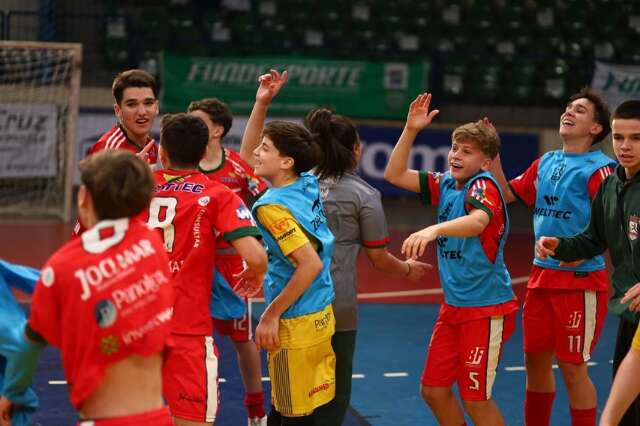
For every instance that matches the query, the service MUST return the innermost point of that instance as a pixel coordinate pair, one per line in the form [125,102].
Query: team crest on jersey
[436,176]
[203,201]
[47,277]
[109,345]
[480,194]
[106,313]
[634,224]
[243,213]
[558,171]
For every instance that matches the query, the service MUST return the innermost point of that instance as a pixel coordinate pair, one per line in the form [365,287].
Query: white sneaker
[257,421]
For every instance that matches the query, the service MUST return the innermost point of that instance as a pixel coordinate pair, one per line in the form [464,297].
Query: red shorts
[190,378]
[467,353]
[567,322]
[239,330]
[159,417]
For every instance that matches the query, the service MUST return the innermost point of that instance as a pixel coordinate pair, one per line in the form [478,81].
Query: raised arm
[269,86]
[397,171]
[496,170]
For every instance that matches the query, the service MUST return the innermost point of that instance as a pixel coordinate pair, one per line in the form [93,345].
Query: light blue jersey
[563,204]
[467,276]
[302,199]
[12,322]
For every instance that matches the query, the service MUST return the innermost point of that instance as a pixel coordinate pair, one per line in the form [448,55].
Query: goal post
[39,99]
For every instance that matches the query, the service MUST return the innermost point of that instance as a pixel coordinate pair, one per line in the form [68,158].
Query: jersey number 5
[162,211]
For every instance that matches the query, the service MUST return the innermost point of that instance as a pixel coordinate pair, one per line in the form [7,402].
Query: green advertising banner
[353,88]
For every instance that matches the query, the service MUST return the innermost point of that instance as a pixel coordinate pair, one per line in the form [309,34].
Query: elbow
[315,266]
[389,176]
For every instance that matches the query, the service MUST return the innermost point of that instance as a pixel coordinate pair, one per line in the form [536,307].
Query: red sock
[537,408]
[255,404]
[585,417]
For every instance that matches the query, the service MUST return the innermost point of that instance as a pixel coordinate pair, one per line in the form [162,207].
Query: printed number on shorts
[162,211]
[574,344]
[240,324]
[475,383]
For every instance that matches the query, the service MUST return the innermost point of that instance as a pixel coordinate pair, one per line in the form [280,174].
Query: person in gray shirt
[356,219]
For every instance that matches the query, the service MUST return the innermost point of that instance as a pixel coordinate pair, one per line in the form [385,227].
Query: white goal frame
[68,166]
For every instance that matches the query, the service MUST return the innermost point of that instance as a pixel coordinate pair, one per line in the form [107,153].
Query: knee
[475,408]
[573,374]
[433,396]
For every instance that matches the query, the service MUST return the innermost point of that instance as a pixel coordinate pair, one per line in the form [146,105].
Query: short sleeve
[430,187]
[524,186]
[484,195]
[373,224]
[283,227]
[46,316]
[231,218]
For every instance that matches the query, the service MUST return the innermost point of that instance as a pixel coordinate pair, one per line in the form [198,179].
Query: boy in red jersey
[565,305]
[230,313]
[136,106]
[192,212]
[106,300]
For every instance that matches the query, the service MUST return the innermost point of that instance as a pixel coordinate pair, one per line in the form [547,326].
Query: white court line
[266,379]
[57,382]
[423,292]
[357,376]
[222,380]
[522,368]
[398,374]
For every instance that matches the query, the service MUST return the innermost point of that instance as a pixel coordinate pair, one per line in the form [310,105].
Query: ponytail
[337,138]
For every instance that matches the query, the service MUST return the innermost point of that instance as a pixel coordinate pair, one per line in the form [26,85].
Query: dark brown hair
[628,110]
[132,78]
[295,141]
[217,111]
[337,138]
[601,111]
[119,182]
[184,138]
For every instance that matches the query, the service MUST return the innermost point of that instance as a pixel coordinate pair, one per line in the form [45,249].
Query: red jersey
[237,175]
[103,297]
[484,195]
[525,189]
[191,211]
[116,138]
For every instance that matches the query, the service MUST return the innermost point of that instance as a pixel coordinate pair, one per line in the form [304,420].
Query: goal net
[39,90]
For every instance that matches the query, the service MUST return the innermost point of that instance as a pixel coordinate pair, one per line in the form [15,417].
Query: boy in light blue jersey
[12,323]
[478,313]
[298,323]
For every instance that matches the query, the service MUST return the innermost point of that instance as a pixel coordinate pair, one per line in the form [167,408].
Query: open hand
[418,269]
[249,283]
[419,115]
[416,243]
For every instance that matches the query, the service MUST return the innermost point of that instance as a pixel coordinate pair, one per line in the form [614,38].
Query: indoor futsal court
[396,317]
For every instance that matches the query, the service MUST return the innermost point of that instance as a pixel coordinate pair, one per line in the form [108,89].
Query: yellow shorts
[303,369]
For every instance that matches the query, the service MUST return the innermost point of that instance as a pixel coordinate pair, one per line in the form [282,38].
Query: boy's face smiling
[626,144]
[269,164]
[465,160]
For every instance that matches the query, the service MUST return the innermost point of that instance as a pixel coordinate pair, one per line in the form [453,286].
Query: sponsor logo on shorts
[634,227]
[574,319]
[475,356]
[320,388]
[109,345]
[322,323]
[106,313]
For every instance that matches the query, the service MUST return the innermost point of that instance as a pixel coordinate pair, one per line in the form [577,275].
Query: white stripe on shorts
[211,365]
[495,344]
[590,313]
[249,318]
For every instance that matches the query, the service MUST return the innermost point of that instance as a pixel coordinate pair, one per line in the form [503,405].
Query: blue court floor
[389,358]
